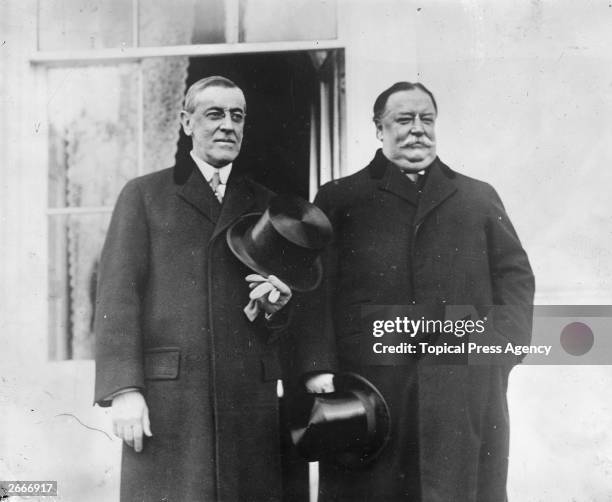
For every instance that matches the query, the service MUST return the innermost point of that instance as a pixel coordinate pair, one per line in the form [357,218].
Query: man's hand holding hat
[321,383]
[268,294]
[286,241]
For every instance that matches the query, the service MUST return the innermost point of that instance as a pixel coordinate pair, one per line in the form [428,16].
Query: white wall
[22,188]
[380,51]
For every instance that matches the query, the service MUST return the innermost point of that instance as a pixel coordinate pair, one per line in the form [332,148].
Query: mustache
[422,140]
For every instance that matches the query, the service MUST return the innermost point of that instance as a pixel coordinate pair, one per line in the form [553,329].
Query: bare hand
[271,294]
[322,383]
[131,418]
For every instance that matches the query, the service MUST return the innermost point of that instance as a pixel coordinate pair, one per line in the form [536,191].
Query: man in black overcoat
[192,381]
[411,231]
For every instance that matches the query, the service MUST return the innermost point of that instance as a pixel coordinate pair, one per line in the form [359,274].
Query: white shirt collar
[414,175]
[207,170]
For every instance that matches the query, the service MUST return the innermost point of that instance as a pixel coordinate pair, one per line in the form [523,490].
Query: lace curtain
[101,157]
[109,121]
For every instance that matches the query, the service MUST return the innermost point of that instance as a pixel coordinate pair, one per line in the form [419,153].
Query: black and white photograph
[306,250]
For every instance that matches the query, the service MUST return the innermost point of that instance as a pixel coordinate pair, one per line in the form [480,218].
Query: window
[116,73]
[68,25]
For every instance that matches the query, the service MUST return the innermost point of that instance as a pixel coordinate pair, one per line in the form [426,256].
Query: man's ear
[379,134]
[186,122]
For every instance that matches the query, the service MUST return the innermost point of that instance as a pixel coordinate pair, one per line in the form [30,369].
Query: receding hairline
[424,94]
[380,105]
[201,85]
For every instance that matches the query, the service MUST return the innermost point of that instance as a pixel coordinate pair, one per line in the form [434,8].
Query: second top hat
[286,241]
[349,427]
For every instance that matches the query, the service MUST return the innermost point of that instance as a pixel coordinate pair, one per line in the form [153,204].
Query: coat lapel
[238,200]
[438,187]
[396,182]
[196,191]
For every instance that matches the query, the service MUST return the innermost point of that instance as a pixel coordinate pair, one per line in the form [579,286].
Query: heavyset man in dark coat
[173,343]
[434,239]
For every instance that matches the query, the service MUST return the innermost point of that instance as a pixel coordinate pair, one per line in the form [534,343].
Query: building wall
[524,92]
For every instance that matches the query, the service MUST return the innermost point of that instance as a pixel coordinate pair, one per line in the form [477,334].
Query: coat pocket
[162,363]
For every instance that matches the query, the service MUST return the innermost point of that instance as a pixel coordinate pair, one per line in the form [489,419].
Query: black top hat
[350,426]
[285,241]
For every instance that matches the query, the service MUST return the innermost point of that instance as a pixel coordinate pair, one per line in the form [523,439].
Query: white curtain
[93,119]
[110,140]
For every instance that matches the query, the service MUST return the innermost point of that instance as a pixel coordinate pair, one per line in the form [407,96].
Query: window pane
[278,20]
[181,22]
[209,25]
[93,137]
[84,24]
[75,244]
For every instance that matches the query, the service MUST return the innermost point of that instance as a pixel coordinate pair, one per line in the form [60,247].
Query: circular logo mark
[577,338]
